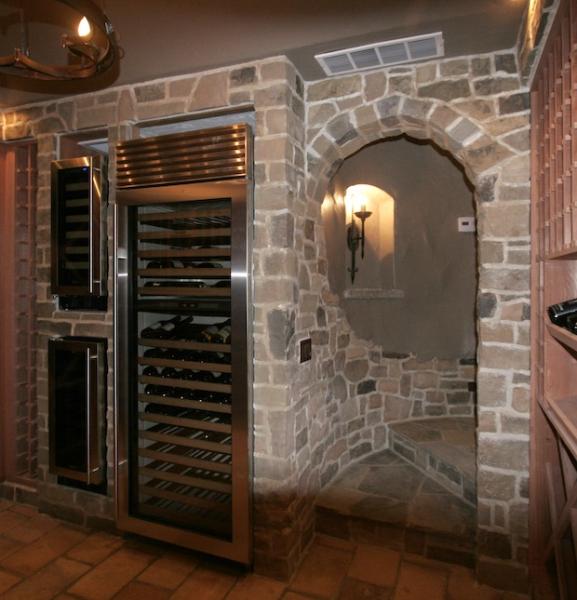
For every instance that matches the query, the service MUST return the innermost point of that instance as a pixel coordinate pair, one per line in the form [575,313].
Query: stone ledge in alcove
[373,293]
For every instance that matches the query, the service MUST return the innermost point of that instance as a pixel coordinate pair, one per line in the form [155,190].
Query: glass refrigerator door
[186,404]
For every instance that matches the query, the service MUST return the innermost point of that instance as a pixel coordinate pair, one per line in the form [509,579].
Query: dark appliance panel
[77,405]
[78,239]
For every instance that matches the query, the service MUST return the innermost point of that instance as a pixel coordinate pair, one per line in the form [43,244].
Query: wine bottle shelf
[212,252]
[207,484]
[186,422]
[191,385]
[179,458]
[199,273]
[185,364]
[182,437]
[208,292]
[562,335]
[154,489]
[566,253]
[182,345]
[205,307]
[563,416]
[190,404]
[188,234]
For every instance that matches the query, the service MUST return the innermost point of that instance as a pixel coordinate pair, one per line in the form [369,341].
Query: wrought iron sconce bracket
[354,239]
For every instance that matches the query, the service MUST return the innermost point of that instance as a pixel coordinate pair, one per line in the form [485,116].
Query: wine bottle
[222,357]
[160,264]
[191,356]
[163,409]
[182,324]
[161,330]
[222,336]
[150,371]
[558,313]
[219,397]
[571,323]
[155,353]
[223,378]
[190,375]
[169,373]
[189,332]
[207,334]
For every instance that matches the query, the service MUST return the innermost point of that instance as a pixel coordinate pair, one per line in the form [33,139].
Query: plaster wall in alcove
[430,280]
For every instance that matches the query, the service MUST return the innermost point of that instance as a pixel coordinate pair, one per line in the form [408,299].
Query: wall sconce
[355,200]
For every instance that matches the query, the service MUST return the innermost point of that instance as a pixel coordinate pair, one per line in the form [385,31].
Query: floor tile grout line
[62,555]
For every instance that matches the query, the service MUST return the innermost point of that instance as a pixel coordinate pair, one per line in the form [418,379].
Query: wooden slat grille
[206,155]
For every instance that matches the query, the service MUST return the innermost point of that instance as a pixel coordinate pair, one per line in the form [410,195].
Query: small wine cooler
[79,195]
[183,352]
[77,410]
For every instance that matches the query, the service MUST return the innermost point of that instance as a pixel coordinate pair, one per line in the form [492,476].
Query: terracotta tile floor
[43,558]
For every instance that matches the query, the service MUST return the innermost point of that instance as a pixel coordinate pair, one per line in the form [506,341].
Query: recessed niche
[414,290]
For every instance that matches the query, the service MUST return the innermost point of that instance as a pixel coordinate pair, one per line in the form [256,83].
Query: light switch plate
[467,224]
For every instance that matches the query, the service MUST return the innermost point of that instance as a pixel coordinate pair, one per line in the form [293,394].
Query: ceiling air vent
[382,54]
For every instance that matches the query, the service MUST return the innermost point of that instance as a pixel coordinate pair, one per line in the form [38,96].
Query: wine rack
[553,481]
[183,349]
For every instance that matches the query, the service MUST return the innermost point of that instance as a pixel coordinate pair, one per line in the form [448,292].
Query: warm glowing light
[329,203]
[355,200]
[84,28]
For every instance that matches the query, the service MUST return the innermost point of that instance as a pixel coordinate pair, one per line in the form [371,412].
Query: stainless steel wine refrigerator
[183,339]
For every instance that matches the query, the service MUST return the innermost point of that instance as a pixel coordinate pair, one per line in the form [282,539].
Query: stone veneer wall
[275,91]
[534,29]
[303,436]
[477,109]
[435,387]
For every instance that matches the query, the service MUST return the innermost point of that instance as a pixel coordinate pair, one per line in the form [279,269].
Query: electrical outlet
[466,224]
[306,350]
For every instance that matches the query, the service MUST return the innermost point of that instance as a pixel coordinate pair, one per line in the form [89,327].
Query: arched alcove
[415,289]
[496,166]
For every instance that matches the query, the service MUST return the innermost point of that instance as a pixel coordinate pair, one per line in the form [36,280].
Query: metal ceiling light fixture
[91,50]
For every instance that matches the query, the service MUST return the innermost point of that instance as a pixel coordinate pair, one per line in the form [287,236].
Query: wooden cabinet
[553,494]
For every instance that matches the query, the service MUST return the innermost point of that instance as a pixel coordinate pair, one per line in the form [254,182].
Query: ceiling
[172,37]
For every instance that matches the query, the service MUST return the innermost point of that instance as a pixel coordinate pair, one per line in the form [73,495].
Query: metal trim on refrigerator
[239,548]
[95,361]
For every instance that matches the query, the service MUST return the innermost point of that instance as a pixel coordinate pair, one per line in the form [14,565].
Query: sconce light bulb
[84,28]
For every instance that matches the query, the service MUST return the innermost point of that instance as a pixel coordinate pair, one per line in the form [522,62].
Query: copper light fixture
[91,50]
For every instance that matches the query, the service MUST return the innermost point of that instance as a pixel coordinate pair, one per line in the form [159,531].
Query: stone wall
[308,424]
[273,89]
[477,109]
[534,29]
[434,387]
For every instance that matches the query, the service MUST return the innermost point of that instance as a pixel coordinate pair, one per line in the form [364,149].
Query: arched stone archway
[480,116]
